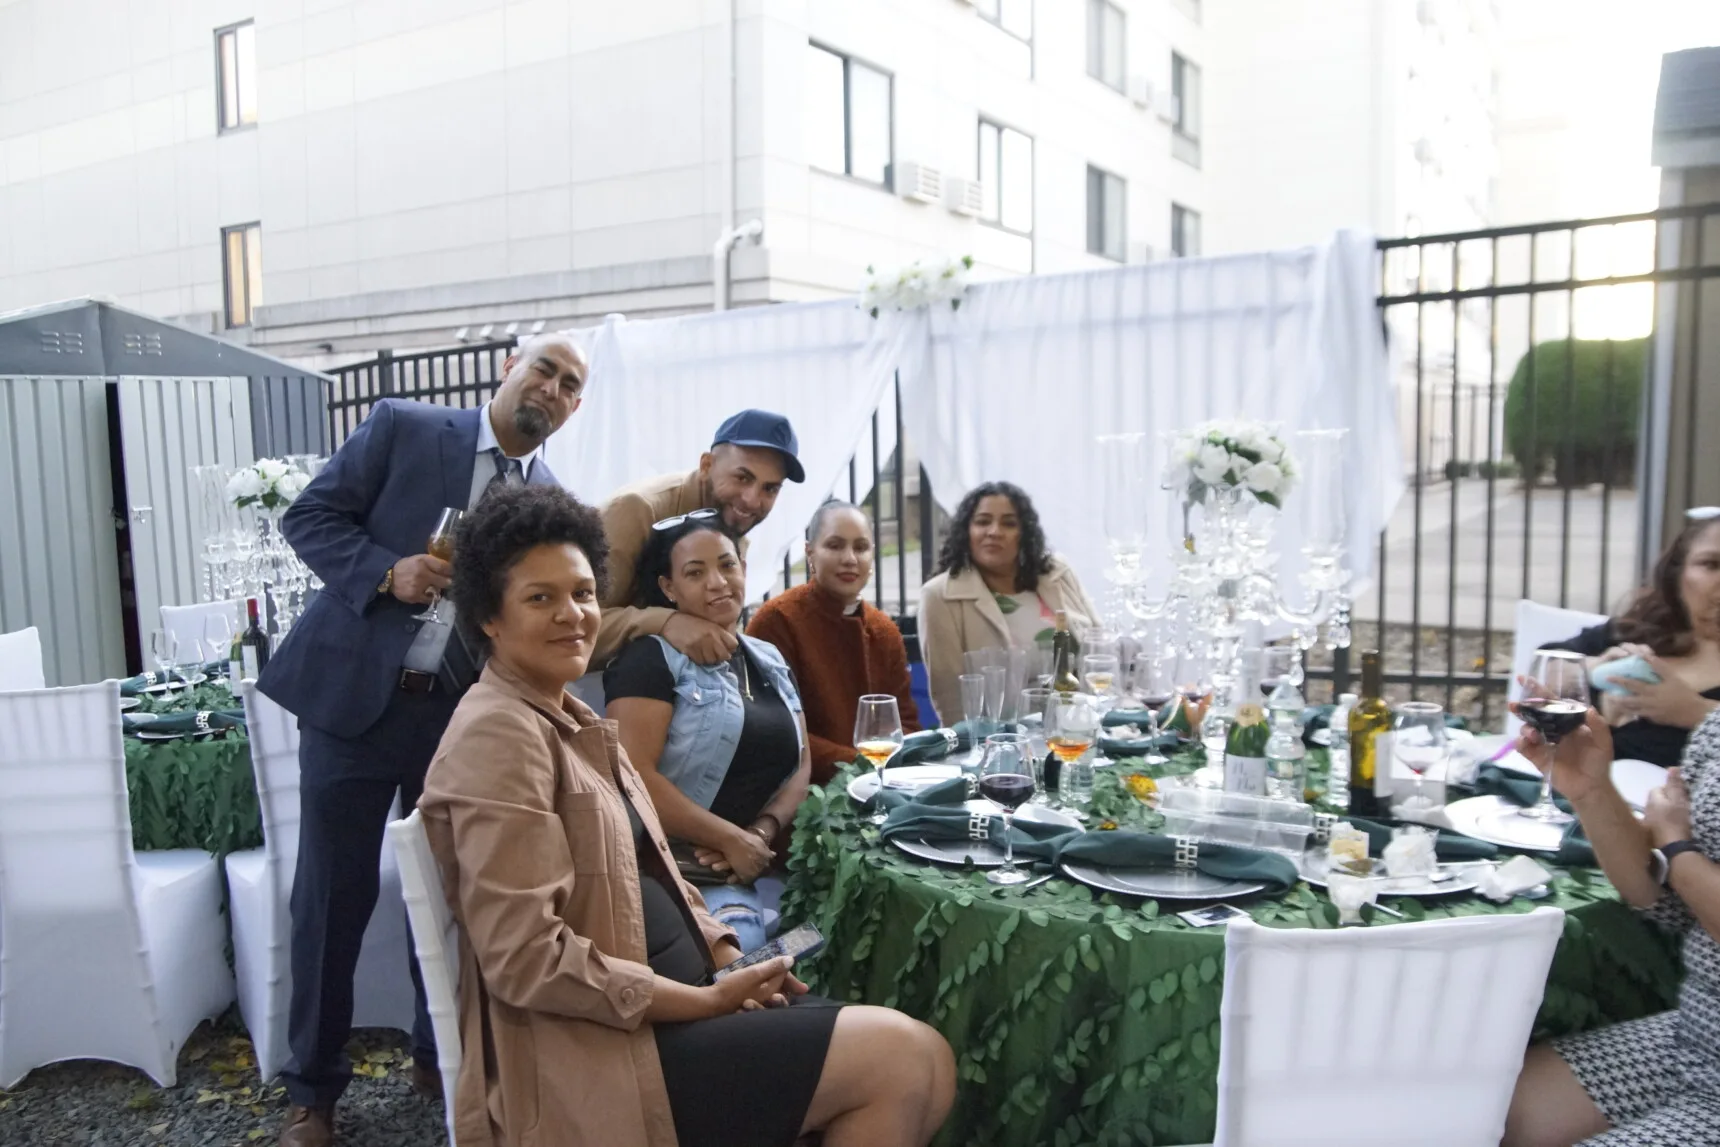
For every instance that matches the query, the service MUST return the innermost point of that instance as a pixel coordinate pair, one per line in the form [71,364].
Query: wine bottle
[1245,751]
[254,643]
[235,655]
[1370,741]
[1063,657]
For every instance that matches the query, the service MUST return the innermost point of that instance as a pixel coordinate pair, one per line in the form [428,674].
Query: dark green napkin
[940,814]
[1447,845]
[1142,718]
[926,745]
[1520,789]
[132,686]
[183,722]
[951,792]
[1137,746]
[1126,849]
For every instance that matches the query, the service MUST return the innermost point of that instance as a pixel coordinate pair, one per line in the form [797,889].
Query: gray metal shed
[103,412]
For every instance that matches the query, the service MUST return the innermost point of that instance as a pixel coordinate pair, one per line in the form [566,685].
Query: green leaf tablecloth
[193,793]
[1081,1018]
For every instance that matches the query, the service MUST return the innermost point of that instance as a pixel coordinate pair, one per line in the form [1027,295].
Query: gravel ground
[218,1102]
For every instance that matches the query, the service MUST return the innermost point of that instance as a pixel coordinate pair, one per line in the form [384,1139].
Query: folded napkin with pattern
[180,723]
[1447,845]
[132,686]
[940,813]
[1127,849]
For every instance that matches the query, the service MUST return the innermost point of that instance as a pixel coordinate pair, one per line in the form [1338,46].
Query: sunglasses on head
[1702,513]
[692,516]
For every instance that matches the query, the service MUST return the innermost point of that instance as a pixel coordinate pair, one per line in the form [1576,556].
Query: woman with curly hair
[998,585]
[588,1011]
[1673,623]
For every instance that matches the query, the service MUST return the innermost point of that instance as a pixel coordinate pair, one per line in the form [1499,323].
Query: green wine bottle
[1245,751]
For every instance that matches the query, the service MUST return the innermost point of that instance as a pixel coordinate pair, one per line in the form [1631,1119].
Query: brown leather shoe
[308,1127]
[427,1081]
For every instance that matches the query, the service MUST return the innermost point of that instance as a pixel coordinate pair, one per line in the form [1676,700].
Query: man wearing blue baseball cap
[740,476]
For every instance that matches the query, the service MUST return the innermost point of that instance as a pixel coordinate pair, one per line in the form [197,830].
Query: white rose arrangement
[919,284]
[1232,454]
[267,482]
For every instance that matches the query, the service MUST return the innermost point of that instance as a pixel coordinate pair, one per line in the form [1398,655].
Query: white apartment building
[324,178]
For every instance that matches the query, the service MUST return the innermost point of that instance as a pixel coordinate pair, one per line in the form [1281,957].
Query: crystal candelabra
[244,553]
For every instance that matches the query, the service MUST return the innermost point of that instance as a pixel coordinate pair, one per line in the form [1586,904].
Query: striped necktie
[509,472]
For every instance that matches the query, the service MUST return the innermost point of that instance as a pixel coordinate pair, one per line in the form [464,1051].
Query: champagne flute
[1006,780]
[878,736]
[441,545]
[1418,740]
[1555,703]
[1035,702]
[1099,674]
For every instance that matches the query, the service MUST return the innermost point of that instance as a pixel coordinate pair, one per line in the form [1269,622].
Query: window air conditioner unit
[1140,90]
[1167,106]
[920,183]
[1141,253]
[964,196]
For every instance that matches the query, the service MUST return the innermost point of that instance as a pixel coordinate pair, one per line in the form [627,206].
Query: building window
[1185,86]
[848,124]
[1006,177]
[1185,231]
[1105,213]
[1013,16]
[1105,38]
[242,271]
[236,66]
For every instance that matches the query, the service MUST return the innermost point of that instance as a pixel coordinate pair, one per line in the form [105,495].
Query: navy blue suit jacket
[374,503]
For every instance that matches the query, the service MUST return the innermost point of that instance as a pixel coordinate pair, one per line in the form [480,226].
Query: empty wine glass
[1419,741]
[163,649]
[1006,780]
[878,735]
[1555,703]
[441,545]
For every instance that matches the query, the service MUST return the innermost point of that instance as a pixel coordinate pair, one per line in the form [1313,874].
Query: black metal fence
[1522,358]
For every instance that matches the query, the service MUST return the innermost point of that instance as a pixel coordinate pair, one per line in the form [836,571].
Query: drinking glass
[1006,780]
[1155,686]
[1555,702]
[218,638]
[1098,639]
[1031,717]
[441,545]
[1072,724]
[1099,674]
[1193,676]
[164,648]
[973,706]
[878,735]
[996,679]
[1277,666]
[1419,741]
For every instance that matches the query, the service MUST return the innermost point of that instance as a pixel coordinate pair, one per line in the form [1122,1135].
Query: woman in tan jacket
[998,585]
[587,1012]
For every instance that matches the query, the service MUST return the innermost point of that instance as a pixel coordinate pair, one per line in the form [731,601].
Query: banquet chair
[438,943]
[186,623]
[1538,625]
[260,887]
[21,660]
[1408,1034]
[107,953]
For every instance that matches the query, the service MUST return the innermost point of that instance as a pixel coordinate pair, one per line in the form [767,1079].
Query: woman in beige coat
[587,1012]
[998,585]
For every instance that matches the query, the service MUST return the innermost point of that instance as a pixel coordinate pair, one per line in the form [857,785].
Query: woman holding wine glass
[1555,703]
[1653,1081]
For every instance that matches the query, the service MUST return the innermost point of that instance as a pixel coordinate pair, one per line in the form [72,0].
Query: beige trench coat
[523,808]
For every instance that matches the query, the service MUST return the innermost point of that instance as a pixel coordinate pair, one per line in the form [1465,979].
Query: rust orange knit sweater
[836,658]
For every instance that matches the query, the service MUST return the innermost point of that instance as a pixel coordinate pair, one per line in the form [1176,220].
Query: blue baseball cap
[767,429]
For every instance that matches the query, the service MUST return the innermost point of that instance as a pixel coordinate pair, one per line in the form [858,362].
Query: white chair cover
[107,954]
[260,888]
[1539,625]
[438,942]
[21,661]
[1408,1034]
[186,623]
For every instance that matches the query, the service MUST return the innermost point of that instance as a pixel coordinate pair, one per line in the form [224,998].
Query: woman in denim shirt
[722,748]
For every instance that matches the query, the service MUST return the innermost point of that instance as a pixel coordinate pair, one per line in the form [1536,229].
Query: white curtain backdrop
[1017,383]
[660,388]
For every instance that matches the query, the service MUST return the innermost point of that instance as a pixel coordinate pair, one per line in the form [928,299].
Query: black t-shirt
[769,748]
[1641,739]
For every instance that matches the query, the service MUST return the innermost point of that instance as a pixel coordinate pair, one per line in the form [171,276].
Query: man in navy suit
[368,727]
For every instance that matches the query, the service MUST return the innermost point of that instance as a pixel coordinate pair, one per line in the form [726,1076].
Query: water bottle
[1338,747]
[1286,765]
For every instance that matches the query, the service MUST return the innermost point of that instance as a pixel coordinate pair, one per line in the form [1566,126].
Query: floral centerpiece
[269,483]
[919,284]
[1232,455]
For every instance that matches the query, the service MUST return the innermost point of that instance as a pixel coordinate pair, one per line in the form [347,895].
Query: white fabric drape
[1017,383]
[660,388]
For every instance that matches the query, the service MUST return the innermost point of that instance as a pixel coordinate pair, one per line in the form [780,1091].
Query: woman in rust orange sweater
[838,646]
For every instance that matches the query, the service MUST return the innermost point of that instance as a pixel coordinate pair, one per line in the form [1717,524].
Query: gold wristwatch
[387,586]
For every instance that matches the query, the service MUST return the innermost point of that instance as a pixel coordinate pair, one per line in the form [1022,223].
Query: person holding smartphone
[589,1002]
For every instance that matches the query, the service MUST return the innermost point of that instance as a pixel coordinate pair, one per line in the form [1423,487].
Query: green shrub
[1585,405]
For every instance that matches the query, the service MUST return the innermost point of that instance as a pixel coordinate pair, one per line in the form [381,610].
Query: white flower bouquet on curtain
[267,483]
[919,284]
[1232,455]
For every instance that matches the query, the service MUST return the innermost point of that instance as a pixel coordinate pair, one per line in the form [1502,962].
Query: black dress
[1641,739]
[741,1080]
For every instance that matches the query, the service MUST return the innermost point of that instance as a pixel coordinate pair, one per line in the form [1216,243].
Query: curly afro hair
[1034,560]
[654,561]
[508,523]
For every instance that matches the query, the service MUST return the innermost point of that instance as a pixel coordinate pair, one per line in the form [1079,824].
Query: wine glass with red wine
[1006,780]
[1555,703]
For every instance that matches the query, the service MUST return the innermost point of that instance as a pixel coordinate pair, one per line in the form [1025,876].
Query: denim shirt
[709,713]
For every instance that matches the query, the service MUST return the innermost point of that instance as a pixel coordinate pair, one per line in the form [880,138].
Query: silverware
[1389,911]
[1032,884]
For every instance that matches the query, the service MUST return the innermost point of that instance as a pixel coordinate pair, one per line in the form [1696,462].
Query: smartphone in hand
[802,943]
